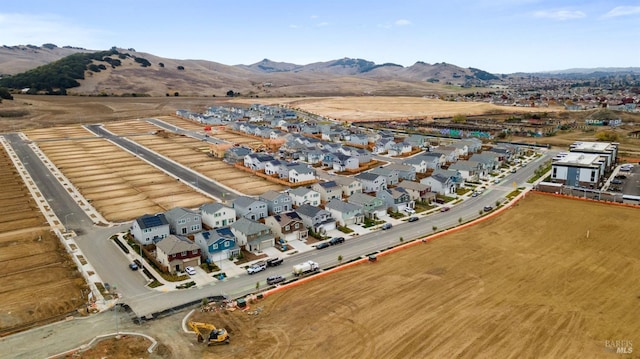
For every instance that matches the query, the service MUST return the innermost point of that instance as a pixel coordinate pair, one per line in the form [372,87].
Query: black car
[322,245]
[488,208]
[616,181]
[386,226]
[272,262]
[413,219]
[133,266]
[336,240]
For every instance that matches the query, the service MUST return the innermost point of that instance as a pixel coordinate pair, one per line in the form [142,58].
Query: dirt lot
[38,281]
[119,185]
[192,153]
[500,289]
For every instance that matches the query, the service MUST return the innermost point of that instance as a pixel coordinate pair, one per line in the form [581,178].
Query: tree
[459,118]
[176,94]
[5,94]
[161,64]
[180,67]
[340,258]
[230,93]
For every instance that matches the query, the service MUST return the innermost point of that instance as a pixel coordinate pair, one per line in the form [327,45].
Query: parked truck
[306,267]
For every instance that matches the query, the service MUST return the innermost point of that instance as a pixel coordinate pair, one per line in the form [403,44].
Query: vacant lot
[38,280]
[192,153]
[119,185]
[528,283]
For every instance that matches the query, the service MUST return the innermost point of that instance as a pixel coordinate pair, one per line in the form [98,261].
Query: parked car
[621,177]
[322,245]
[616,181]
[275,279]
[445,209]
[190,270]
[273,262]
[513,170]
[474,194]
[409,210]
[133,266]
[386,226]
[412,219]
[488,208]
[336,240]
[257,267]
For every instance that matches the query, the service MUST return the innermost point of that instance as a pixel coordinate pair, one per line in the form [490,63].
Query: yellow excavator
[209,334]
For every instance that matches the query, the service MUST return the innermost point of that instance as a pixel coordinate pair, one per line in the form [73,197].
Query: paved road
[194,134]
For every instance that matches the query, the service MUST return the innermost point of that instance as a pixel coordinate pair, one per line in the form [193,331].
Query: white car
[409,210]
[190,270]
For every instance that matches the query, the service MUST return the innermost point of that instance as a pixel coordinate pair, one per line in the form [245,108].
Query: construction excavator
[209,334]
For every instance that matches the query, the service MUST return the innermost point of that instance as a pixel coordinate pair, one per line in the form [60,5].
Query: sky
[499,36]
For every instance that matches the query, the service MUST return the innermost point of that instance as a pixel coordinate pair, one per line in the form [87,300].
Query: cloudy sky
[499,36]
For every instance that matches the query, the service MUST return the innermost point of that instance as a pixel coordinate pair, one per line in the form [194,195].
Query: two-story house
[342,162]
[391,175]
[372,207]
[303,195]
[349,185]
[215,215]
[175,253]
[277,202]
[183,221]
[216,244]
[250,208]
[149,228]
[440,184]
[316,218]
[345,213]
[287,227]
[396,198]
[405,172]
[300,172]
[328,190]
[252,235]
[417,191]
[257,161]
[371,182]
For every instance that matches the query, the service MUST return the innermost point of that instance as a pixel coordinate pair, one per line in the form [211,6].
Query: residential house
[235,155]
[328,190]
[300,172]
[449,154]
[425,161]
[316,218]
[400,148]
[276,168]
[382,145]
[302,195]
[216,244]
[345,213]
[252,235]
[440,184]
[216,215]
[287,227]
[250,208]
[176,253]
[150,228]
[405,172]
[342,162]
[396,198]
[183,221]
[488,160]
[418,141]
[349,185]
[328,158]
[461,148]
[391,175]
[277,202]
[358,139]
[417,191]
[257,161]
[372,207]
[474,145]
[455,176]
[467,169]
[371,182]
[363,156]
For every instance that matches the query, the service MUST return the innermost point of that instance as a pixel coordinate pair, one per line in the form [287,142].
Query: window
[183,253]
[196,219]
[286,228]
[555,171]
[296,226]
[215,246]
[593,175]
[195,251]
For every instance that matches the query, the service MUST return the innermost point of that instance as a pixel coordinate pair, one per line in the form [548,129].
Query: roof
[361,198]
[577,159]
[367,176]
[300,168]
[399,167]
[178,212]
[342,206]
[173,244]
[308,210]
[300,191]
[248,226]
[212,207]
[413,186]
[285,218]
[151,220]
[328,184]
[244,201]
[271,195]
[344,180]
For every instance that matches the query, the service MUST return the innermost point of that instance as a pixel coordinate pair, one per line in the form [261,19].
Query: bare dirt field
[528,283]
[119,185]
[192,153]
[38,280]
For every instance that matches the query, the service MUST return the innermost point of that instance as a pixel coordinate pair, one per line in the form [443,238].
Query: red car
[444,209]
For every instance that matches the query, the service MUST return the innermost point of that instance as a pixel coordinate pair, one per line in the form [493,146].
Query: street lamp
[66,221]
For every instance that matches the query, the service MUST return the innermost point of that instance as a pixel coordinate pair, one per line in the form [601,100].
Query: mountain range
[146,74]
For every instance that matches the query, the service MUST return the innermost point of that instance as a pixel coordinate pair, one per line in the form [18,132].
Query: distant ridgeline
[56,77]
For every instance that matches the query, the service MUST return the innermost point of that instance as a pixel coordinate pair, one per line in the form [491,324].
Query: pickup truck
[273,262]
[257,267]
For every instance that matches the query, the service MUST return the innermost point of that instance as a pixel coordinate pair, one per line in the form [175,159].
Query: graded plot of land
[38,281]
[182,123]
[75,131]
[236,138]
[191,153]
[114,181]
[134,127]
[528,283]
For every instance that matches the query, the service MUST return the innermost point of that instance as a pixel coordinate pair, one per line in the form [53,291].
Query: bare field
[191,153]
[38,281]
[115,181]
[509,287]
[368,108]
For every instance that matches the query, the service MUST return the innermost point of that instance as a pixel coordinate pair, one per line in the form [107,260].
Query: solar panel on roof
[152,221]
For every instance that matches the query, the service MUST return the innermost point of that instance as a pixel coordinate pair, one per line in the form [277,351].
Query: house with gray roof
[417,141]
[317,219]
[276,168]
[302,195]
[417,191]
[287,227]
[328,190]
[467,169]
[371,182]
[372,207]
[474,145]
[175,253]
[235,155]
[400,148]
[405,172]
[440,184]
[396,198]
[345,213]
[215,215]
[250,208]
[183,221]
[251,235]
[422,162]
[488,160]
[150,228]
[277,202]
[349,185]
[342,162]
[257,161]
[390,174]
[300,172]
[216,244]
[358,139]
